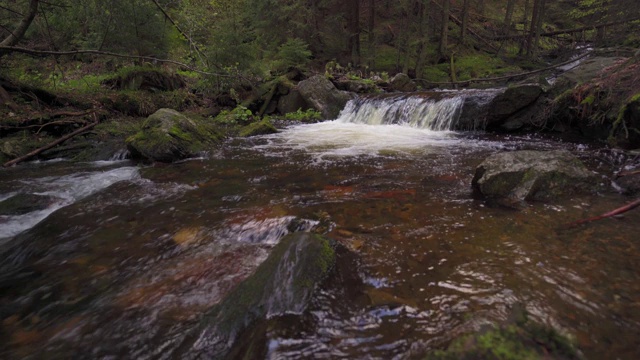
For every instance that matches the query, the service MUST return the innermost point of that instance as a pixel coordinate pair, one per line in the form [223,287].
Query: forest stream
[120,258]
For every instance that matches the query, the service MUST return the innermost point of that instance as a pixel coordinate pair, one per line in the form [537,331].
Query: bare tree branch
[191,42]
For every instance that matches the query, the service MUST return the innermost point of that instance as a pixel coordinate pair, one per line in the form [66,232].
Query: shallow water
[124,269]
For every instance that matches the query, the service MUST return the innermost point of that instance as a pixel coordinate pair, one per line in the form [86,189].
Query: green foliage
[435,74]
[239,115]
[309,115]
[293,53]
[481,66]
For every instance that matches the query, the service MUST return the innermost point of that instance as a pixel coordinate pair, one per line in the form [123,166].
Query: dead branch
[618,211]
[38,120]
[566,31]
[191,42]
[49,146]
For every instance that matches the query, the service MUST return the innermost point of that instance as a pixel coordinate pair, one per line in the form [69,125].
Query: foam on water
[64,190]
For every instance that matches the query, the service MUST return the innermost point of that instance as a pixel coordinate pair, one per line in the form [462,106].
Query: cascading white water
[415,111]
[62,191]
[391,125]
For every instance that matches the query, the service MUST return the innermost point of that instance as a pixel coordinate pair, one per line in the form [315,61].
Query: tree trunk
[421,58]
[525,20]
[508,16]
[19,32]
[481,7]
[354,31]
[539,24]
[465,20]
[536,26]
[371,34]
[444,31]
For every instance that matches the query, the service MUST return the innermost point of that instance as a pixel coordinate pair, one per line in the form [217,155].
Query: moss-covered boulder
[282,284]
[525,341]
[168,136]
[320,93]
[532,175]
[261,127]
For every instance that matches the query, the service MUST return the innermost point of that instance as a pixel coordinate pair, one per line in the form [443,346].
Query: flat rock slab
[533,175]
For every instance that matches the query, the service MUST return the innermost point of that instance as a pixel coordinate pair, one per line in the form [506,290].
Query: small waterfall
[437,111]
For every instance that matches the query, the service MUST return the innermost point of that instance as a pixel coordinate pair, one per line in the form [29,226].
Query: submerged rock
[521,340]
[21,204]
[168,136]
[532,175]
[282,284]
[319,92]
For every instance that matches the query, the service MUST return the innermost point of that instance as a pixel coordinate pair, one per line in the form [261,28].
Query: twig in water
[618,211]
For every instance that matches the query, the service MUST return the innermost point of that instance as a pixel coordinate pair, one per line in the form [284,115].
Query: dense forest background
[226,41]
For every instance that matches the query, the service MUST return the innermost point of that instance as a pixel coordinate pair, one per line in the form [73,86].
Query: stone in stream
[319,92]
[21,204]
[532,175]
[169,136]
[520,338]
[282,284]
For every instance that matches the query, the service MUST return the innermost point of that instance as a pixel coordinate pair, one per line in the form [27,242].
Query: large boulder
[402,82]
[292,102]
[282,284]
[169,136]
[532,175]
[510,103]
[320,93]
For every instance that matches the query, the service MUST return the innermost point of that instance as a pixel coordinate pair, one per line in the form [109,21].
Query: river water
[123,259]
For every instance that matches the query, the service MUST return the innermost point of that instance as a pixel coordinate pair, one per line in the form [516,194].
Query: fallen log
[49,146]
[618,211]
[506,77]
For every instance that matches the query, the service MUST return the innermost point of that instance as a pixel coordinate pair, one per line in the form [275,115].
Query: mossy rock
[262,127]
[518,339]
[513,342]
[516,176]
[169,136]
[282,284]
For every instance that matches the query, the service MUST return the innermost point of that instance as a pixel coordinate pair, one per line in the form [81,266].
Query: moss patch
[527,341]
[168,136]
[261,127]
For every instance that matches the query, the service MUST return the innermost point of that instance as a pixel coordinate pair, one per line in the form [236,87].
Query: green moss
[283,282]
[527,341]
[261,127]
[168,136]
[309,115]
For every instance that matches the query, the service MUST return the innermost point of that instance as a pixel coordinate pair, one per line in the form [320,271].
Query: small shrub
[239,115]
[308,115]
